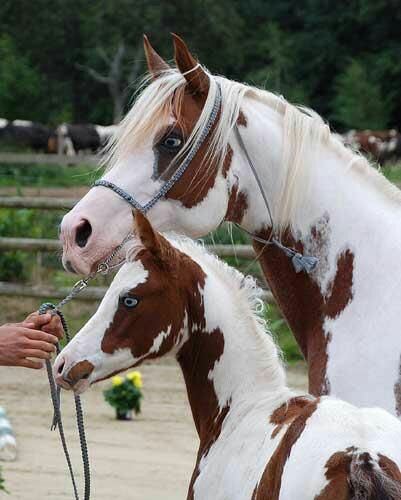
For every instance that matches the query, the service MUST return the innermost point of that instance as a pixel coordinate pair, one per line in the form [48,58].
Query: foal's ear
[145,232]
[156,64]
[198,79]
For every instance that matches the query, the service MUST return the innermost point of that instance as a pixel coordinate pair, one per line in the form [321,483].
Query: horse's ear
[198,79]
[156,64]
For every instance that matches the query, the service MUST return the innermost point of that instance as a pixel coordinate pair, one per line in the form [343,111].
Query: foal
[258,439]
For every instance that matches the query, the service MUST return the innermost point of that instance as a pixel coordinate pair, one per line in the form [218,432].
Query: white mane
[303,132]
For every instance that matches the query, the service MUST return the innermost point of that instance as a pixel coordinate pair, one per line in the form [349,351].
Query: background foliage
[342,59]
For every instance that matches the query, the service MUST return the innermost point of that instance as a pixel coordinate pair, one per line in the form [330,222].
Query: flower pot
[123,414]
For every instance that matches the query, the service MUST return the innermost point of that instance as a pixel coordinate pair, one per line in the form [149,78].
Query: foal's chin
[78,388]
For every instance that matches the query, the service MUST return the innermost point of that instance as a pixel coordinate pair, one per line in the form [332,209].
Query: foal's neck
[228,359]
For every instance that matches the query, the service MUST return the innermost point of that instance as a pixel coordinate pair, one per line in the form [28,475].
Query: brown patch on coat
[337,474]
[237,205]
[270,483]
[196,182]
[241,120]
[303,304]
[205,446]
[79,371]
[353,474]
[227,161]
[287,413]
[389,468]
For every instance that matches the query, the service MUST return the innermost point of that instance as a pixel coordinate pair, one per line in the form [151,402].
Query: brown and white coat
[258,440]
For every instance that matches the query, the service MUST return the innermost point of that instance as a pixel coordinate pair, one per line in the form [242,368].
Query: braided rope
[55,396]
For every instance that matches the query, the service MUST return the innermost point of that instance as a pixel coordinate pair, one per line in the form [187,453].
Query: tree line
[79,61]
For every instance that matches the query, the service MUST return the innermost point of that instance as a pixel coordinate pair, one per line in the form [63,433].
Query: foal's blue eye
[129,302]
[172,142]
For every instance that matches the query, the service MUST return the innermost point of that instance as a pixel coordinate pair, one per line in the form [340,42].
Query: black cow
[83,137]
[28,134]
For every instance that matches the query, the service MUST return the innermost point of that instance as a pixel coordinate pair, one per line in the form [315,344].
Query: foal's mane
[304,131]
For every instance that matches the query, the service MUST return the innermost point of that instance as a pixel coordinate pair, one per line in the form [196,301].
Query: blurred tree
[19,83]
[359,101]
[278,74]
[298,48]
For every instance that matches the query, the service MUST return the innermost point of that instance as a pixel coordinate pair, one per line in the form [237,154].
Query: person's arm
[33,338]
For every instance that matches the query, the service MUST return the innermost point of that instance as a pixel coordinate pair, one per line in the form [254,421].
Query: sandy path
[148,459]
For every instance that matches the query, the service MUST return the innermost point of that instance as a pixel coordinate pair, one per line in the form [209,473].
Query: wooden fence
[22,159]
[50,245]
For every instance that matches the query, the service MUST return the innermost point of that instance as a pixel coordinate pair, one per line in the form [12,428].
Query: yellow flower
[117,380]
[136,378]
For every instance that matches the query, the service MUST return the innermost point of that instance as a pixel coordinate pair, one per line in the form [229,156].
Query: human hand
[21,341]
[49,323]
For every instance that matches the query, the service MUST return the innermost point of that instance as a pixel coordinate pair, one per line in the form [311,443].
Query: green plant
[125,393]
[2,487]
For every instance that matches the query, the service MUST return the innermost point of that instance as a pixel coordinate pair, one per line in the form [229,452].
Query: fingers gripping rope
[57,421]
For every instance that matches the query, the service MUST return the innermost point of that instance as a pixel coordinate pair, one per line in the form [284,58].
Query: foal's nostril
[60,367]
[84,230]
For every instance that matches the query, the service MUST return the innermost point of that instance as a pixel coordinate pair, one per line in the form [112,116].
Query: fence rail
[90,293]
[42,159]
[44,292]
[47,245]
[45,203]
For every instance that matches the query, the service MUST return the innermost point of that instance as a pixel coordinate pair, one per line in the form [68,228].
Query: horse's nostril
[84,230]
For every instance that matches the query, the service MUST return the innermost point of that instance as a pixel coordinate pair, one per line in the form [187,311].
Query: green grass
[282,334]
[392,173]
[46,175]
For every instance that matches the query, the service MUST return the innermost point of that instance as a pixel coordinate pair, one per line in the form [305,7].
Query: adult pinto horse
[258,440]
[324,200]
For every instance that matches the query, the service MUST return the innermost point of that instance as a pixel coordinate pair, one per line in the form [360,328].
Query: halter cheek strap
[300,262]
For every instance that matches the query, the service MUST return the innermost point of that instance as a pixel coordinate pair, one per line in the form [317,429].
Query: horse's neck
[227,360]
[349,221]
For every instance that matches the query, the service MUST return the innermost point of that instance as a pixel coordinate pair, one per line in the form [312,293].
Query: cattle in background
[25,133]
[73,139]
[3,127]
[381,145]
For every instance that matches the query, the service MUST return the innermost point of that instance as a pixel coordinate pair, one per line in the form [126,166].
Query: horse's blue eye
[130,302]
[172,142]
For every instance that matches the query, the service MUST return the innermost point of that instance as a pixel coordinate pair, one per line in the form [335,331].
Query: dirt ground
[149,458]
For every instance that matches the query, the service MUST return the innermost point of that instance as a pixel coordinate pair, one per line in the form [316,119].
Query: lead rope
[300,262]
[55,393]
[57,420]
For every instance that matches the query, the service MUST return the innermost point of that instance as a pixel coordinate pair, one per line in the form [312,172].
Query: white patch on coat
[3,123]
